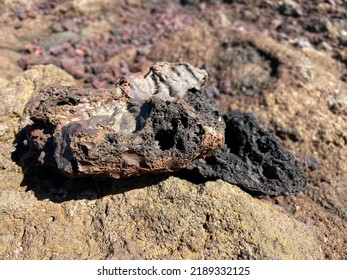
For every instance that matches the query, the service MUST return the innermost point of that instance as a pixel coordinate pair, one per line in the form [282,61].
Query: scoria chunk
[151,122]
[253,159]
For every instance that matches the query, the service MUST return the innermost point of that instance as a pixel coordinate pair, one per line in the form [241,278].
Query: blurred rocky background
[284,61]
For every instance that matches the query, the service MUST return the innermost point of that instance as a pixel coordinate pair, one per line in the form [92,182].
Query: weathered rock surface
[289,71]
[253,159]
[151,122]
[303,106]
[15,94]
[172,220]
[8,66]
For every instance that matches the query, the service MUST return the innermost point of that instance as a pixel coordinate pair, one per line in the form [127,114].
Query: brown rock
[151,122]
[8,64]
[172,220]
[15,94]
[73,66]
[90,7]
[127,55]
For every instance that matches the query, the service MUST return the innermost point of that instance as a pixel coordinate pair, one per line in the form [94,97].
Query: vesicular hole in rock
[184,121]
[69,101]
[180,144]
[85,150]
[270,172]
[233,140]
[165,138]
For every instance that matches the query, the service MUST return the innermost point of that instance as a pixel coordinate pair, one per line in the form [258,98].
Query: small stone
[99,84]
[312,163]
[57,27]
[20,13]
[289,8]
[31,13]
[99,68]
[211,92]
[338,103]
[80,52]
[73,66]
[253,159]
[303,43]
[156,121]
[225,86]
[32,48]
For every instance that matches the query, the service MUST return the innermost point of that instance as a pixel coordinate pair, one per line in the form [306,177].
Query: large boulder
[174,219]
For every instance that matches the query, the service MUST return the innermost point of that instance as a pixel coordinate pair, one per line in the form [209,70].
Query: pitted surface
[253,159]
[149,122]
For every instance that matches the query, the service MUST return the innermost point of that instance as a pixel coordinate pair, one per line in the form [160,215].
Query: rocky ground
[284,61]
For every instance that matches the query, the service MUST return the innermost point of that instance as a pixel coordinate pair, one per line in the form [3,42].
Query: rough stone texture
[3,82]
[90,7]
[253,159]
[172,220]
[8,65]
[15,94]
[302,101]
[11,5]
[303,106]
[151,122]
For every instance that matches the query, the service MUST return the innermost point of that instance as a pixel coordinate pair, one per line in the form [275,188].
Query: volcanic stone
[253,159]
[155,121]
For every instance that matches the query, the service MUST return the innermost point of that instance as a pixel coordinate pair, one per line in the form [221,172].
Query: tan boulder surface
[16,93]
[173,219]
[284,62]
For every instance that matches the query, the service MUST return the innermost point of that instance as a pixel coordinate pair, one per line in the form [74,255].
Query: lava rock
[155,121]
[253,159]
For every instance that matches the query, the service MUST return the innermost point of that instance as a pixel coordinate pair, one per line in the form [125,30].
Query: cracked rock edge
[156,121]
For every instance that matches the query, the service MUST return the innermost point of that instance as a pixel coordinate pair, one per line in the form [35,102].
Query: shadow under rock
[47,183]
[59,188]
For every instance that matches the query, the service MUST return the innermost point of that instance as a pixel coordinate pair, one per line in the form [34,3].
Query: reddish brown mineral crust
[151,122]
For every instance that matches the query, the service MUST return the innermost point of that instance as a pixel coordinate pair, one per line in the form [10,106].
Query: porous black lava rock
[253,159]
